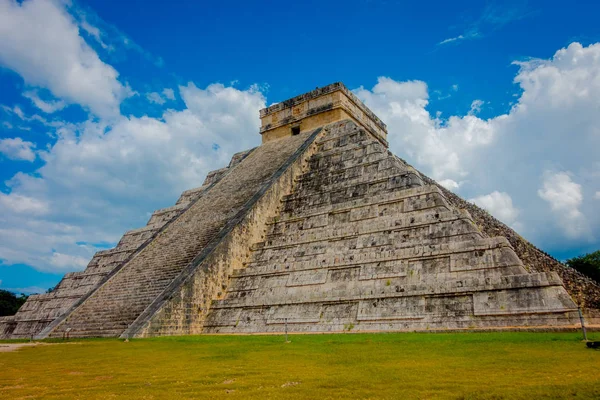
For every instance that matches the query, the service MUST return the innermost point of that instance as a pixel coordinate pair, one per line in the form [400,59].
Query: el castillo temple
[319,229]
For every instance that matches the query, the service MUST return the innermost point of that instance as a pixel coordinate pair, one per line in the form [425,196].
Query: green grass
[365,366]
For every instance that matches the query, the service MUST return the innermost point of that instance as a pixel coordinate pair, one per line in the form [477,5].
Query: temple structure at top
[318,108]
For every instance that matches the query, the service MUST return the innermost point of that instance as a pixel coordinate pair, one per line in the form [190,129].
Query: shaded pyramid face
[361,244]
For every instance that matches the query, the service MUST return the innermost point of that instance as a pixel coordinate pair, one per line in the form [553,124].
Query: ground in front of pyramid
[490,365]
[319,229]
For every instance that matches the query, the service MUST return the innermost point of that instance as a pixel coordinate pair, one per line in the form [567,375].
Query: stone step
[375,235]
[356,256]
[372,221]
[374,274]
[353,290]
[459,261]
[351,192]
[341,162]
[358,145]
[412,198]
[361,174]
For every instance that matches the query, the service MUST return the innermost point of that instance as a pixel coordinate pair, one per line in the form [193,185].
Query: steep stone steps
[420,197]
[343,225]
[143,281]
[48,308]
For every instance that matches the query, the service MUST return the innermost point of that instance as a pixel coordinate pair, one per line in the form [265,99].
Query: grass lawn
[367,366]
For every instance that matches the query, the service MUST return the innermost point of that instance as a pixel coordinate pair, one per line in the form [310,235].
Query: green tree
[10,302]
[587,264]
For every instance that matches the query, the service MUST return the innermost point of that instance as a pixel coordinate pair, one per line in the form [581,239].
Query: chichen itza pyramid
[322,229]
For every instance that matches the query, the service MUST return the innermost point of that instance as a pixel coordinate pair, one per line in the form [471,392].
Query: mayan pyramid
[320,229]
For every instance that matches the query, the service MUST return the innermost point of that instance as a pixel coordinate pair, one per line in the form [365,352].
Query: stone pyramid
[319,229]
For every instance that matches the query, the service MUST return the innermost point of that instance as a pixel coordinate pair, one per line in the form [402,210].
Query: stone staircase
[196,222]
[361,244]
[40,310]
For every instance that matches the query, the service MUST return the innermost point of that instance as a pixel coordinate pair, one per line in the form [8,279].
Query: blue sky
[110,109]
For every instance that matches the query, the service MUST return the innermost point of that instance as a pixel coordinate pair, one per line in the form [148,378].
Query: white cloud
[155,98]
[46,106]
[168,93]
[67,262]
[500,205]
[597,195]
[565,197]
[94,32]
[101,179]
[412,130]
[452,39]
[17,149]
[476,107]
[561,192]
[40,41]
[491,19]
[449,184]
[23,204]
[16,110]
[555,125]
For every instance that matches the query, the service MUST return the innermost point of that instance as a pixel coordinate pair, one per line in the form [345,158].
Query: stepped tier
[363,244]
[131,297]
[40,310]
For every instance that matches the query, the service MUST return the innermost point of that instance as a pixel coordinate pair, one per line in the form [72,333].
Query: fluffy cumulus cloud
[554,126]
[499,205]
[17,149]
[565,197]
[22,204]
[40,41]
[169,93]
[421,137]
